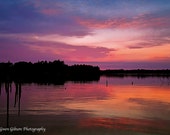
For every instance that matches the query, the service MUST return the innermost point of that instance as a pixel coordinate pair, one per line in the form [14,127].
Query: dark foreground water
[112,106]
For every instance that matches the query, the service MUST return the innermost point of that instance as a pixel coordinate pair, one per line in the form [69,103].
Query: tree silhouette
[47,72]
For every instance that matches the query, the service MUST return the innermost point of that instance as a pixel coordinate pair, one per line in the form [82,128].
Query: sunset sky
[134,31]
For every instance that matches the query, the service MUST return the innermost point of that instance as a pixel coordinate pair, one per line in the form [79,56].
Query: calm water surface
[125,106]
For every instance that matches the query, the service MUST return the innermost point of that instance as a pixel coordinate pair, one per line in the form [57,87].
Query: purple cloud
[24,17]
[31,50]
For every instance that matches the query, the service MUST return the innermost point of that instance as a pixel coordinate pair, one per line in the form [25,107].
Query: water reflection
[112,105]
[7,88]
[8,91]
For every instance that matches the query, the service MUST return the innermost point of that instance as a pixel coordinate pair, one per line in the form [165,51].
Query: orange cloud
[143,54]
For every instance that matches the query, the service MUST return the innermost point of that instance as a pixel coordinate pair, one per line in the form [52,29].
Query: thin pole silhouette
[18,96]
[7,92]
[0,88]
[19,99]
[10,87]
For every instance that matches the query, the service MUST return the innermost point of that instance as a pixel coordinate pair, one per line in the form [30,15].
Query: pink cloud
[49,11]
[83,53]
[52,8]
[32,50]
[140,21]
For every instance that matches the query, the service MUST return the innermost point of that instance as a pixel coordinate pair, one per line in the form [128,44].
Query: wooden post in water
[18,96]
[106,83]
[7,92]
[19,99]
[0,88]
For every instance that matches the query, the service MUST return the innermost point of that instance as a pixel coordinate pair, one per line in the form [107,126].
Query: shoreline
[57,72]
[136,73]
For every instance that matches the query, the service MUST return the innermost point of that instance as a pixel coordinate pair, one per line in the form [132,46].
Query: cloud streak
[151,20]
[71,52]
[48,50]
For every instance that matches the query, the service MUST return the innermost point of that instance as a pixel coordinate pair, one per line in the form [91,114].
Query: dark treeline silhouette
[47,72]
[137,73]
[57,72]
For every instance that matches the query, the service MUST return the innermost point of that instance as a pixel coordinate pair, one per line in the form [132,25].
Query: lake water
[120,106]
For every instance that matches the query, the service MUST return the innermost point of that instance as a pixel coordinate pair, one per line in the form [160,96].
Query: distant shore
[136,72]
